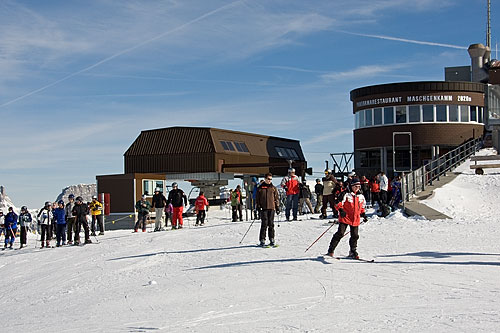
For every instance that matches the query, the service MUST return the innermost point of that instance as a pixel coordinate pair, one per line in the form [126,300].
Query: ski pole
[319,237]
[247,231]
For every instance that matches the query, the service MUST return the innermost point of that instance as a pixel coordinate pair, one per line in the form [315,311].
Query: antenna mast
[488,32]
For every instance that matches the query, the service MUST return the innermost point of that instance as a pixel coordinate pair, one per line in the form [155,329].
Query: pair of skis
[326,256]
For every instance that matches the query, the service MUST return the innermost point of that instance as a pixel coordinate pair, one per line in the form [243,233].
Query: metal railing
[416,181]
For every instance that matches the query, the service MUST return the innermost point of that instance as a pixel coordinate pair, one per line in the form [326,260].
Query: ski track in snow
[428,275]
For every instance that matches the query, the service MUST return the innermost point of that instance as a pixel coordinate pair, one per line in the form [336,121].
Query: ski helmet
[94,197]
[328,171]
[24,208]
[71,196]
[79,198]
[47,203]
[60,202]
[317,180]
[157,189]
[174,184]
[290,170]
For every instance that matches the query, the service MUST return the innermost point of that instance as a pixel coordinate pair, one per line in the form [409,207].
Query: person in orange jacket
[200,204]
[291,185]
[351,207]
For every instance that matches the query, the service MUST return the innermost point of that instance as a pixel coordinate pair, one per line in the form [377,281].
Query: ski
[356,259]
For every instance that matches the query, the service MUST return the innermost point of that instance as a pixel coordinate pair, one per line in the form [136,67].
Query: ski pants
[267,224]
[79,224]
[200,217]
[353,241]
[61,233]
[306,201]
[319,201]
[10,235]
[375,198]
[292,202]
[383,197]
[328,199]
[24,235]
[141,221]
[237,210]
[177,216]
[159,218]
[45,233]
[71,226]
[97,219]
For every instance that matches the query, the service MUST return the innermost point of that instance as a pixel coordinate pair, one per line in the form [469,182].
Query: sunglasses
[269,179]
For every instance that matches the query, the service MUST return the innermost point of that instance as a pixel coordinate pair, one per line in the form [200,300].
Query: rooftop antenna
[488,32]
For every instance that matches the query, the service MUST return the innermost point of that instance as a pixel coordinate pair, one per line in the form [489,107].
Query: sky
[81,79]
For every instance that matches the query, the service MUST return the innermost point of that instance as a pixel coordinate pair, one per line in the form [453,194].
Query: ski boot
[102,233]
[353,254]
[262,243]
[88,241]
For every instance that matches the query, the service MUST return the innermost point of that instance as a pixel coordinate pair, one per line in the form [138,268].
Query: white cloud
[360,72]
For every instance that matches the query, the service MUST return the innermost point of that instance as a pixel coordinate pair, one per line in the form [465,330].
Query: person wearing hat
[178,199]
[80,211]
[60,217]
[2,227]
[237,203]
[96,209]
[305,197]
[25,222]
[70,219]
[143,207]
[291,185]
[10,225]
[351,207]
[318,190]
[159,203]
[44,219]
[329,186]
[267,201]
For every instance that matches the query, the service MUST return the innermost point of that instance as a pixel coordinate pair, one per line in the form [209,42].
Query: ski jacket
[374,186]
[45,216]
[235,198]
[267,197]
[95,208]
[68,209]
[169,208]
[60,215]
[354,205]
[10,220]
[384,182]
[329,183]
[291,185]
[365,185]
[143,207]
[159,200]
[201,202]
[176,197]
[80,211]
[25,219]
[305,192]
[318,189]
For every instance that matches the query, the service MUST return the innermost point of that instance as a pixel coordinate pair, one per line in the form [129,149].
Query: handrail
[415,182]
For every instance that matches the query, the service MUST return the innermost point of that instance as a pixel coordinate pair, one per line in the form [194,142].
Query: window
[368,117]
[441,113]
[480,114]
[389,115]
[453,113]
[370,159]
[464,113]
[377,116]
[428,113]
[241,147]
[400,114]
[227,145]
[361,118]
[149,186]
[414,113]
[356,120]
[288,153]
[473,113]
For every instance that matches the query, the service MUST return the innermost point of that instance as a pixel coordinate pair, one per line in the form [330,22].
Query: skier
[396,193]
[384,185]
[178,199]
[200,204]
[159,203]
[375,192]
[169,210]
[143,207]
[291,185]
[318,189]
[236,203]
[350,176]
[365,188]
[80,211]
[351,207]
[44,218]
[305,197]
[25,223]
[10,225]
[2,226]
[329,184]
[70,219]
[268,202]
[96,211]
[60,217]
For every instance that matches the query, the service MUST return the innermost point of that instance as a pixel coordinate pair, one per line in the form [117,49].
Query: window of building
[288,153]
[370,159]
[368,117]
[361,118]
[149,186]
[356,120]
[400,114]
[377,116]
[414,113]
[480,114]
[453,113]
[441,113]
[473,113]
[428,113]
[241,147]
[389,115]
[464,113]
[227,145]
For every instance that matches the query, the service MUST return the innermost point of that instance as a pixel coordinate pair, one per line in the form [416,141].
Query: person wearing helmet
[44,218]
[60,217]
[2,226]
[25,223]
[80,211]
[237,203]
[178,199]
[318,190]
[96,211]
[291,185]
[10,225]
[329,185]
[143,207]
[159,203]
[70,219]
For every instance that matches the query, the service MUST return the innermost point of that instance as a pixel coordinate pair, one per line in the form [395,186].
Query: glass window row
[427,113]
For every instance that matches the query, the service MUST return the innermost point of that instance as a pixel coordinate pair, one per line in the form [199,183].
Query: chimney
[487,56]
[477,52]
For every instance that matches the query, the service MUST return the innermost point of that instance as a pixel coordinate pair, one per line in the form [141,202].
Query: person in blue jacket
[10,223]
[60,218]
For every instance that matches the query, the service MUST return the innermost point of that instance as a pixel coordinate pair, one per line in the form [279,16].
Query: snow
[428,276]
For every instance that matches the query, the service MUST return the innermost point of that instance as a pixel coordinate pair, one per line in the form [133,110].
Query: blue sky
[80,79]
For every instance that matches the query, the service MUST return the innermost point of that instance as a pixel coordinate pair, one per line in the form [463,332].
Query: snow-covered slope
[439,276]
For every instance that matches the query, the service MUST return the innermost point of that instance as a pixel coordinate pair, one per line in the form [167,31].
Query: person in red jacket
[351,207]
[200,204]
[291,184]
[375,191]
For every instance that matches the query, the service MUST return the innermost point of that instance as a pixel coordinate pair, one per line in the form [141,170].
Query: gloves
[365,219]
[342,212]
